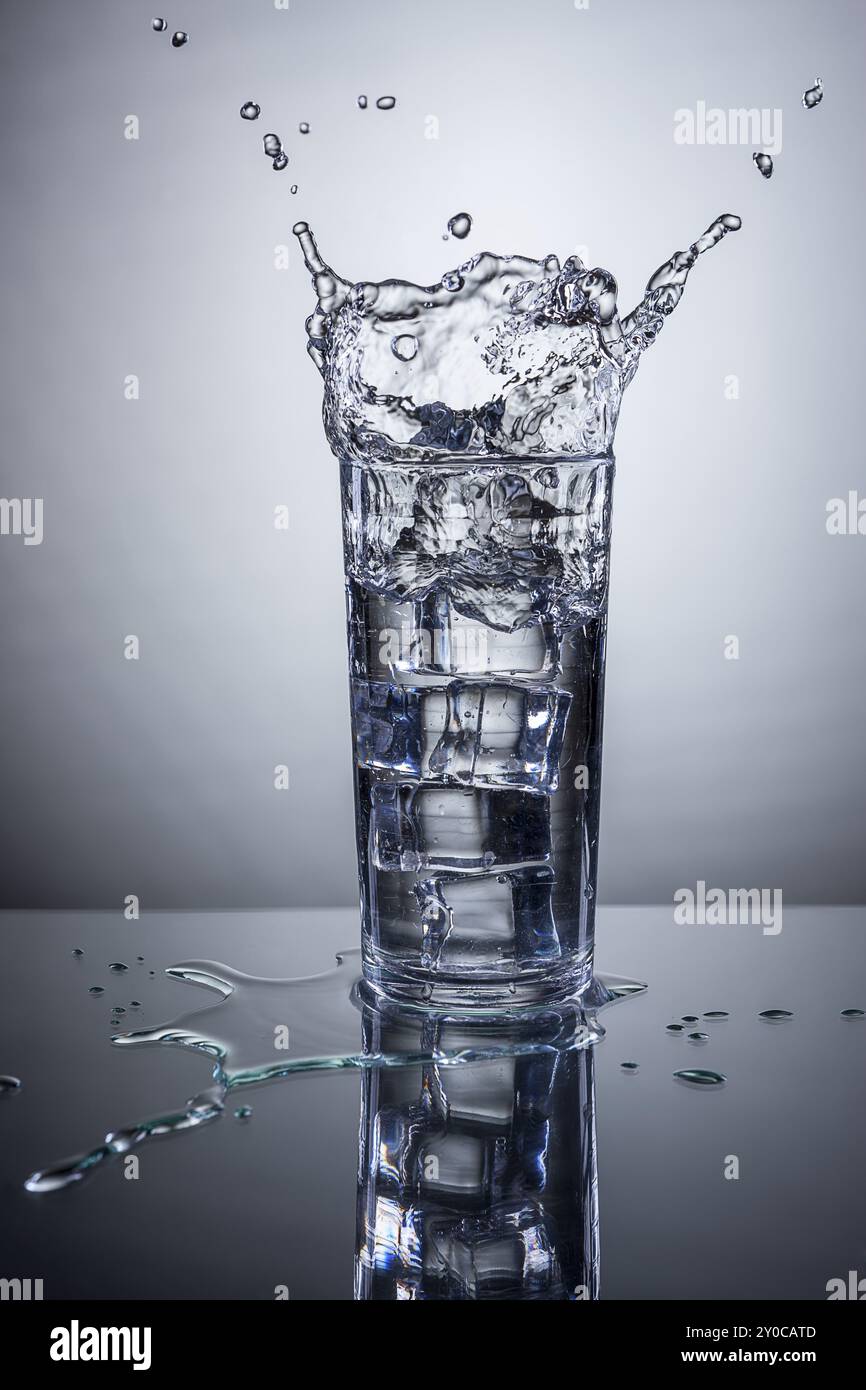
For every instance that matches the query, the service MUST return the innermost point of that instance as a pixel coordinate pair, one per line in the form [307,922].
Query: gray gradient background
[156,257]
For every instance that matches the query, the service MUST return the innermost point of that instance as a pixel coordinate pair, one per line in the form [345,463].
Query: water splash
[764,164]
[460,225]
[261,1030]
[515,356]
[813,96]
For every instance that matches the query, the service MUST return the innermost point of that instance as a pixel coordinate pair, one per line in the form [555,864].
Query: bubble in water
[853,1013]
[813,95]
[698,1037]
[764,164]
[281,161]
[716,1013]
[179,38]
[404,347]
[96,989]
[775,1015]
[304,127]
[160,25]
[9,1083]
[629,1066]
[272,146]
[386,103]
[460,225]
[675,1028]
[118,967]
[696,1076]
[243,1112]
[362,102]
[250,111]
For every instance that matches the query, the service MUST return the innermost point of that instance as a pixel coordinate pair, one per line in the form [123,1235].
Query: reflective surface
[297,1193]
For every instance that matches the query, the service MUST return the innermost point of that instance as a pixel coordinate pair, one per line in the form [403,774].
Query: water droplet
[250,111]
[813,95]
[118,1009]
[139,958]
[689,1018]
[775,1015]
[764,164]
[243,1112]
[151,972]
[362,102]
[77,951]
[294,188]
[853,1013]
[699,1037]
[460,225]
[675,1028]
[96,989]
[160,26]
[179,38]
[272,146]
[716,1013]
[134,1004]
[696,1076]
[9,1083]
[118,967]
[629,1066]
[404,347]
[452,281]
[304,127]
[281,161]
[386,103]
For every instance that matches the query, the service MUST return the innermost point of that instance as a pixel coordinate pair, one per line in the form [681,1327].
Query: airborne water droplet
[179,38]
[304,127]
[294,188]
[813,95]
[362,102]
[272,145]
[386,103]
[775,1015]
[404,347]
[250,111]
[9,1083]
[696,1076]
[281,161]
[853,1013]
[159,25]
[764,164]
[460,225]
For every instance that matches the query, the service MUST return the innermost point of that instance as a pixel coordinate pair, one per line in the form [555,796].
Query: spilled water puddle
[259,1029]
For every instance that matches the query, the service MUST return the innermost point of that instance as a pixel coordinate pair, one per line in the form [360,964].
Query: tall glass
[477,597]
